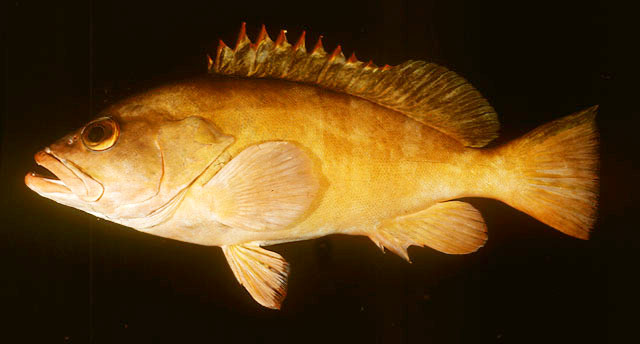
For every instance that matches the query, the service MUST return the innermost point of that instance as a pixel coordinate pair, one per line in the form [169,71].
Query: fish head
[128,162]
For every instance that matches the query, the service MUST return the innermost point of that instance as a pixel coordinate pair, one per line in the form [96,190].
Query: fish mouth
[63,179]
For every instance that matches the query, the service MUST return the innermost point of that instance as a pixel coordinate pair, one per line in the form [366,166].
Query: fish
[278,144]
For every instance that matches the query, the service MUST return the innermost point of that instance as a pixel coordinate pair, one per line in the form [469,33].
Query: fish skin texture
[377,166]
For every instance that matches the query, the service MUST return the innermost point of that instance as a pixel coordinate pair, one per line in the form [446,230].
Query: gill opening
[162,169]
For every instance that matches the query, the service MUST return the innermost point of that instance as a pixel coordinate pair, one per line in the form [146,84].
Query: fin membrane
[263,273]
[424,91]
[450,227]
[557,166]
[267,186]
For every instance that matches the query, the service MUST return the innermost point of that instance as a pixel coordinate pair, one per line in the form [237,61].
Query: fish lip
[45,185]
[71,180]
[42,184]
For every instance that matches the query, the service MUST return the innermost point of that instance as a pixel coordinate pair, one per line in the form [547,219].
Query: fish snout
[66,178]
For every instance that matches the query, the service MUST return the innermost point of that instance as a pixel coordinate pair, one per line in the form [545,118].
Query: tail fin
[557,167]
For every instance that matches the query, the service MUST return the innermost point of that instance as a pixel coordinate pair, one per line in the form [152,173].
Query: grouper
[277,144]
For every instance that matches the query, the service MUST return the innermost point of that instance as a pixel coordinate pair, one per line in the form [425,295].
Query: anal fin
[263,273]
[450,227]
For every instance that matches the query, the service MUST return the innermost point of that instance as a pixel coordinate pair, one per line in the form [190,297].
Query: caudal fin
[556,168]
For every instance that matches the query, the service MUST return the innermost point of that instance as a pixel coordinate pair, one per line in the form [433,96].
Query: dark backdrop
[72,278]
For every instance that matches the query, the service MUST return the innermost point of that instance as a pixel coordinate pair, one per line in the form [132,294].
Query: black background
[72,278]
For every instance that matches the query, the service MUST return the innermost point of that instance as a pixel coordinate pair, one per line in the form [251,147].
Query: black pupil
[96,133]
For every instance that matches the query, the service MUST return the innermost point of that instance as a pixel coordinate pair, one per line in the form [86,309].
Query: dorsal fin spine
[261,56]
[300,44]
[243,48]
[209,61]
[334,64]
[221,56]
[242,38]
[352,58]
[318,49]
[424,91]
[282,38]
[261,37]
[368,69]
[221,46]
[335,53]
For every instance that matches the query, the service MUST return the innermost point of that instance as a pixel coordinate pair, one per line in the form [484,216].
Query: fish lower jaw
[41,184]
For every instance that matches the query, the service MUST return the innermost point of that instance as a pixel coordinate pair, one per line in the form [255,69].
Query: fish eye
[96,134]
[100,134]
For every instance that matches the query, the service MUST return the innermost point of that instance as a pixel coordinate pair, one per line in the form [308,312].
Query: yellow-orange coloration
[279,145]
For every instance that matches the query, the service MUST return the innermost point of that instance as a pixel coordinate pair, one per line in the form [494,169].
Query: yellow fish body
[281,145]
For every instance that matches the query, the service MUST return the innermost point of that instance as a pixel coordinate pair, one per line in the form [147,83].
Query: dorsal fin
[424,91]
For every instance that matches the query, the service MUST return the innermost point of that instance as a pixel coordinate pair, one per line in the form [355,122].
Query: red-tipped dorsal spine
[352,58]
[221,46]
[318,47]
[242,35]
[386,67]
[301,42]
[261,37]
[209,62]
[335,53]
[282,38]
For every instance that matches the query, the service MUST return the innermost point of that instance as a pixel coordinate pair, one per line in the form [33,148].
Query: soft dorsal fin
[424,91]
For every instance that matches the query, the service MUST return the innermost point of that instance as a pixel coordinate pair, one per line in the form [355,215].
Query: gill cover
[188,147]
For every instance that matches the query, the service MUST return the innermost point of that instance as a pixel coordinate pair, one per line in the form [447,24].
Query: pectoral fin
[263,273]
[267,186]
[450,227]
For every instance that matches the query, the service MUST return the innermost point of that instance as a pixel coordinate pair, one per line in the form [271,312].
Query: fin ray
[557,173]
[424,91]
[263,273]
[267,186]
[450,227]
